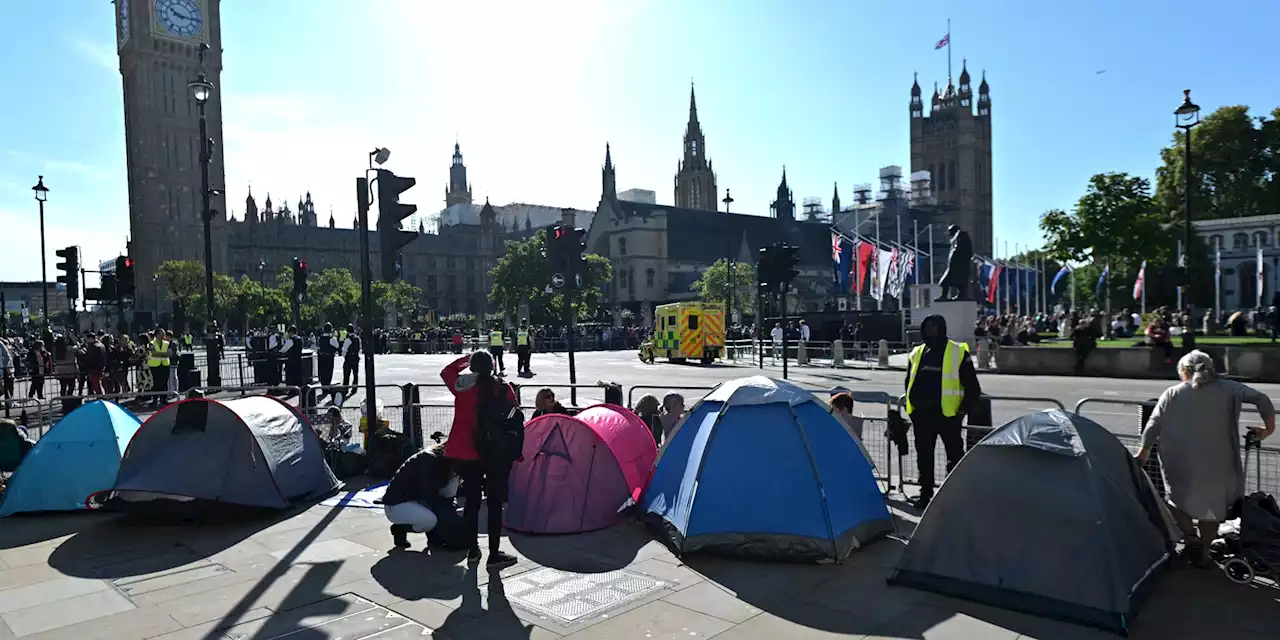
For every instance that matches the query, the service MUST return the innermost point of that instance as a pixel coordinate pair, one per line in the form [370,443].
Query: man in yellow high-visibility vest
[942,386]
[496,346]
[158,363]
[524,350]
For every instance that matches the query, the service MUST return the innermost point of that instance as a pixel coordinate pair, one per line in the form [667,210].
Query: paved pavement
[624,368]
[327,573]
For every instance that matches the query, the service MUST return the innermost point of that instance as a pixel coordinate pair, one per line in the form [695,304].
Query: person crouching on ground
[480,470]
[420,496]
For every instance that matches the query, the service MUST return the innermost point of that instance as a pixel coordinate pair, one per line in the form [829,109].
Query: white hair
[1198,366]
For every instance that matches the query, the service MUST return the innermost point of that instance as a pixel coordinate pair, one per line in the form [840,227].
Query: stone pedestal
[960,316]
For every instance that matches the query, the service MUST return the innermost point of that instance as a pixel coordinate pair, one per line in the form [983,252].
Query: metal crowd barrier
[1265,472]
[665,389]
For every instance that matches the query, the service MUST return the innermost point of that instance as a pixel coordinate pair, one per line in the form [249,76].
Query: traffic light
[124,279]
[555,246]
[788,263]
[766,267]
[299,277]
[70,266]
[107,291]
[391,212]
[576,246]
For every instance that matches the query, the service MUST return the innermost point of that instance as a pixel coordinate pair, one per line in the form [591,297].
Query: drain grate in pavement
[573,596]
[164,572]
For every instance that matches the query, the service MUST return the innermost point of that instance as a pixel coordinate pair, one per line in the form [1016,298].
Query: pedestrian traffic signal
[391,214]
[766,267]
[299,277]
[70,266]
[125,286]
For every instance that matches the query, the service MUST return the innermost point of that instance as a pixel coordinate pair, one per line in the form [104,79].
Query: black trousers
[324,362]
[350,371]
[491,478]
[498,364]
[928,427]
[273,370]
[523,356]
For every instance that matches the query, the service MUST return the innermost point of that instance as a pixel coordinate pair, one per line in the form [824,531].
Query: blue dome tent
[79,456]
[761,469]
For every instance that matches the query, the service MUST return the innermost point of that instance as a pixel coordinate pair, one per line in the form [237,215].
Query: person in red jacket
[469,390]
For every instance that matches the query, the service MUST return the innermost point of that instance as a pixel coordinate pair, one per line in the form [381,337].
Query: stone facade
[159,54]
[1238,240]
[695,179]
[953,143]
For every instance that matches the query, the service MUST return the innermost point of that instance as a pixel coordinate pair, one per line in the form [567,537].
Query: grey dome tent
[255,451]
[1050,515]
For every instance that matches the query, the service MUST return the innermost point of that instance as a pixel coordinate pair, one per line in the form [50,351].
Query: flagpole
[931,281]
[880,300]
[857,266]
[1217,285]
[1144,288]
[1008,303]
[948,50]
[1179,307]
[1073,289]
[1106,283]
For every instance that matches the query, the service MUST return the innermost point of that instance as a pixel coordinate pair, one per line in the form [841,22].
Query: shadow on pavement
[24,529]
[121,546]
[487,615]
[591,552]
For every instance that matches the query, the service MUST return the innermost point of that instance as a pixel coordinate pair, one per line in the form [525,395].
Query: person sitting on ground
[672,412]
[1197,425]
[420,495]
[545,402]
[650,411]
[842,409]
[339,430]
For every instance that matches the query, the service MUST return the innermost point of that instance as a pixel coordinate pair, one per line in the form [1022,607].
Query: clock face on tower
[181,18]
[123,6]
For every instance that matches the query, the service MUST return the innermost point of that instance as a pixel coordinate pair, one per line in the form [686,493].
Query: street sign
[557,280]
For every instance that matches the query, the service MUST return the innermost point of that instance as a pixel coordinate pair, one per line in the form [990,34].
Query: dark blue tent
[77,457]
[760,468]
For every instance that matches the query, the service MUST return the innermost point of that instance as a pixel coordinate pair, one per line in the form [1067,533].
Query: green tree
[184,284]
[523,275]
[714,285]
[405,297]
[333,295]
[1235,159]
[1114,223]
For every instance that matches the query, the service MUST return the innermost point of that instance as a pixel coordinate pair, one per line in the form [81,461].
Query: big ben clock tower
[159,46]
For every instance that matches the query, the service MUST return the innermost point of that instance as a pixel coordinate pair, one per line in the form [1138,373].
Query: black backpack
[499,427]
[387,451]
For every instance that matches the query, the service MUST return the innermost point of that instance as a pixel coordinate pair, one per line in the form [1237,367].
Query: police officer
[942,386]
[292,350]
[273,357]
[496,347]
[158,363]
[523,350]
[327,346]
[351,358]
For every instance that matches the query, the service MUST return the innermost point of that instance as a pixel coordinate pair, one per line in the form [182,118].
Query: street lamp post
[1186,117]
[42,194]
[728,258]
[201,90]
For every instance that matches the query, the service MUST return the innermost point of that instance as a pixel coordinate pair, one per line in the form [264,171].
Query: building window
[622,246]
[1262,239]
[1215,242]
[951,177]
[1240,241]
[694,144]
[648,277]
[942,177]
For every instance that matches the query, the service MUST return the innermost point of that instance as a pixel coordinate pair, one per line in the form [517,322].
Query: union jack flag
[946,40]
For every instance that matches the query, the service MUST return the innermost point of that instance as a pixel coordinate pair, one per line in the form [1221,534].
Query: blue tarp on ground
[760,468]
[80,455]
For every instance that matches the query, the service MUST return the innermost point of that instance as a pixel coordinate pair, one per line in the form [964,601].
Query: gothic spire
[693,107]
[608,157]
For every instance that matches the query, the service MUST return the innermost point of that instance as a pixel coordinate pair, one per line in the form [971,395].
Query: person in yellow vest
[186,341]
[524,350]
[942,386]
[158,363]
[496,347]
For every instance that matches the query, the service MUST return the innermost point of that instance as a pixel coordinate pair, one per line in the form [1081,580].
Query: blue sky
[534,90]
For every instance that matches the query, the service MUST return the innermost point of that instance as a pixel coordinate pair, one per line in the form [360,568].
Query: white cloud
[103,55]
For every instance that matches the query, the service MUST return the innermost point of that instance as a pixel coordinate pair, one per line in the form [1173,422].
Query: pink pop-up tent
[579,472]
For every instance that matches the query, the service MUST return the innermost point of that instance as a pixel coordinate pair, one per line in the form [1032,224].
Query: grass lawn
[1220,341]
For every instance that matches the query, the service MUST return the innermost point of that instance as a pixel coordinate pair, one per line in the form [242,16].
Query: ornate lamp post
[201,91]
[42,194]
[1186,117]
[728,258]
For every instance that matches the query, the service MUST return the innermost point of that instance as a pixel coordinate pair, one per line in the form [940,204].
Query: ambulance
[686,331]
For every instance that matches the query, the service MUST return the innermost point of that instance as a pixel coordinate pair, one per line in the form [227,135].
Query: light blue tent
[80,455]
[760,468]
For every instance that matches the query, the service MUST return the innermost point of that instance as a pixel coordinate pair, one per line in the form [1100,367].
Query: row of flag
[1140,283]
[863,266]
[1009,279]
